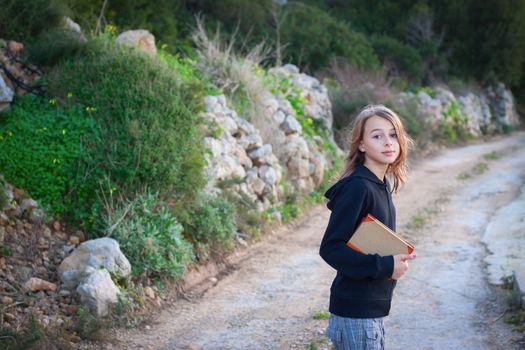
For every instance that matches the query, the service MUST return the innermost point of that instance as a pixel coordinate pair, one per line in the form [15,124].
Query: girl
[362,289]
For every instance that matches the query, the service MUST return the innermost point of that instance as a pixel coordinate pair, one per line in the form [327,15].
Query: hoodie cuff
[385,266]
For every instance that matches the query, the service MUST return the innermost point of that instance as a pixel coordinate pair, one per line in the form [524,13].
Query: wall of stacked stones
[254,166]
[486,111]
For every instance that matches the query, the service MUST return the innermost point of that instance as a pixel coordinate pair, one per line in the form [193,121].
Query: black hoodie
[362,287]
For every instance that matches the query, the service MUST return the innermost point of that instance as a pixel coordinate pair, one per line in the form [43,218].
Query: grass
[492,155]
[320,315]
[478,169]
[463,176]
[418,221]
[319,342]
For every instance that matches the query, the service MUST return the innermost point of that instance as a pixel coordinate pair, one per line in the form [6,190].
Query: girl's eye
[394,136]
[376,136]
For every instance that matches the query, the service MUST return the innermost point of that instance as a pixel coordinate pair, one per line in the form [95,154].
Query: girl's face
[379,143]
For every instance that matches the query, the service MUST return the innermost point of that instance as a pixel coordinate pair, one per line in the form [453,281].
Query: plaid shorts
[356,333]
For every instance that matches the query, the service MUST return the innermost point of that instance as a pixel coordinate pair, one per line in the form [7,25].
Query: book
[373,237]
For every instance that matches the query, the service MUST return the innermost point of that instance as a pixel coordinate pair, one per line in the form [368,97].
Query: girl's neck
[379,170]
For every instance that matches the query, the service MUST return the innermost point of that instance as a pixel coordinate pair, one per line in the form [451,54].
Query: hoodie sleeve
[346,206]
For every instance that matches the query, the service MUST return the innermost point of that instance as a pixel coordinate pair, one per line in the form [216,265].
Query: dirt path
[444,302]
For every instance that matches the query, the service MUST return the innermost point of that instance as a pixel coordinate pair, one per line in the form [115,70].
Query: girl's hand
[401,264]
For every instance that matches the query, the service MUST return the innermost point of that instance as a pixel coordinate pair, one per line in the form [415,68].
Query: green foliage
[493,155]
[321,315]
[480,168]
[150,237]
[87,325]
[243,16]
[23,20]
[454,127]
[210,224]
[490,30]
[418,221]
[429,90]
[280,84]
[184,67]
[314,38]
[163,18]
[412,121]
[41,150]
[21,339]
[53,45]
[148,117]
[289,208]
[3,193]
[247,218]
[130,301]
[405,59]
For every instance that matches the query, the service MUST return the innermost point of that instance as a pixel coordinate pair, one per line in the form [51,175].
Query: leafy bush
[52,46]
[87,325]
[210,224]
[314,38]
[163,18]
[148,117]
[150,236]
[454,125]
[404,58]
[248,219]
[41,150]
[22,20]
[351,89]
[3,193]
[21,339]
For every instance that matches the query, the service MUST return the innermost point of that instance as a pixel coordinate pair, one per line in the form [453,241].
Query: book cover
[373,237]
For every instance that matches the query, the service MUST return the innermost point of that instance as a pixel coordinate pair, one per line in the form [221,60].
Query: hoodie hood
[360,171]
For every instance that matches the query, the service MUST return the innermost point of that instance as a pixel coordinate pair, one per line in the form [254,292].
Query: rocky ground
[31,253]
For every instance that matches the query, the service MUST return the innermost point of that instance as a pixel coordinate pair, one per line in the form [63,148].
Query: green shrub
[52,46]
[3,193]
[405,58]
[248,220]
[24,338]
[210,224]
[454,127]
[314,37]
[22,20]
[87,325]
[149,118]
[41,150]
[150,236]
[161,17]
[351,89]
[411,117]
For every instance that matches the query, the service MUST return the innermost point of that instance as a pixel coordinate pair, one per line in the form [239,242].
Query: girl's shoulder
[348,184]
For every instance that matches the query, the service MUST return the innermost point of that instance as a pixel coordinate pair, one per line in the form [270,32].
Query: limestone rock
[98,291]
[6,94]
[102,252]
[139,38]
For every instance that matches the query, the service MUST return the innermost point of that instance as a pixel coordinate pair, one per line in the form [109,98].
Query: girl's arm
[346,212]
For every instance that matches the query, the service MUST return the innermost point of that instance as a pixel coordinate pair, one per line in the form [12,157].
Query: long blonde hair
[398,169]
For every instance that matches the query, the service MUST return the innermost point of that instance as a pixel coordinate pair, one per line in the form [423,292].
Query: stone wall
[478,113]
[239,155]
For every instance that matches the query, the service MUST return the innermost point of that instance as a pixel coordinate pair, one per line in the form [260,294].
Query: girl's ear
[361,147]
